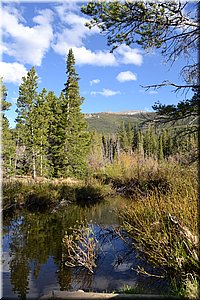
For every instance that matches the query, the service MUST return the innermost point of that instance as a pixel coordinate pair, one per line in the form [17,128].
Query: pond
[34,256]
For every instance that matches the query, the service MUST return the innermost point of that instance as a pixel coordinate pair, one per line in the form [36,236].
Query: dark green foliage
[56,134]
[124,137]
[185,111]
[8,149]
[51,134]
[26,103]
[145,23]
[76,139]
[159,143]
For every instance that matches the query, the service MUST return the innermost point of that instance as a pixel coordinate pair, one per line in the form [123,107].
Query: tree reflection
[34,237]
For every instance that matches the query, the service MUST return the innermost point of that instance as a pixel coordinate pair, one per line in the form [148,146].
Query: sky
[40,34]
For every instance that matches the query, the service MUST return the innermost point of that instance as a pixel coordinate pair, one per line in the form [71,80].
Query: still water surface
[34,256]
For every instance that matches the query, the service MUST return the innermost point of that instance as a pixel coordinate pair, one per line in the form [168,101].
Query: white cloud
[73,29]
[72,34]
[29,44]
[126,76]
[26,44]
[12,72]
[106,93]
[86,56]
[128,55]
[94,81]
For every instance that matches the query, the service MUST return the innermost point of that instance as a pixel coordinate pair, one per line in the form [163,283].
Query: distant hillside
[109,122]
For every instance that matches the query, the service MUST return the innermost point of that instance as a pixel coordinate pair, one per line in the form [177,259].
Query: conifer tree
[76,137]
[123,138]
[135,141]
[26,103]
[56,136]
[41,117]
[8,145]
[160,150]
[140,143]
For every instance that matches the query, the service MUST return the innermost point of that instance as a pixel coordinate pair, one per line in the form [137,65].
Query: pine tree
[160,150]
[130,136]
[123,138]
[41,117]
[8,145]
[154,141]
[56,135]
[135,138]
[76,137]
[140,143]
[26,103]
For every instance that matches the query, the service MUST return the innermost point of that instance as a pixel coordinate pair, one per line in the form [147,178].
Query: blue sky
[41,34]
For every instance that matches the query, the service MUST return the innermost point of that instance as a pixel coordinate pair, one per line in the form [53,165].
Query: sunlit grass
[164,225]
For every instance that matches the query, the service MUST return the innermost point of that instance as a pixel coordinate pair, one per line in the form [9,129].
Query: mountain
[109,122]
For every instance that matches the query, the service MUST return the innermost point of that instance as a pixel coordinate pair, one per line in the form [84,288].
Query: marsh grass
[164,225]
[43,195]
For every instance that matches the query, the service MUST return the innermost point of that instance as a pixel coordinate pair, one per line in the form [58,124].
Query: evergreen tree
[160,149]
[135,141]
[76,137]
[41,117]
[8,145]
[56,136]
[140,142]
[154,142]
[122,137]
[26,103]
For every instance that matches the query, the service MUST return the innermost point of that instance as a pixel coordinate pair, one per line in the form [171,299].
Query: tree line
[149,141]
[51,137]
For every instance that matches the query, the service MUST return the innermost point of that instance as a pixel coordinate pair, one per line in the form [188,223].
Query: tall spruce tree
[56,136]
[26,103]
[8,145]
[41,115]
[77,138]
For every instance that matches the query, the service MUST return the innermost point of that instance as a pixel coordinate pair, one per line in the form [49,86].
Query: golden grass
[164,226]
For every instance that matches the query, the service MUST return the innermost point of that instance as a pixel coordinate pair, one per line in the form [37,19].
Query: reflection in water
[34,257]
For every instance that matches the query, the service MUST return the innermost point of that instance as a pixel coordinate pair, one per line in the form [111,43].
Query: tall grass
[163,223]
[46,194]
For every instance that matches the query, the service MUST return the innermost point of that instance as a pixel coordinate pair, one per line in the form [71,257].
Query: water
[34,256]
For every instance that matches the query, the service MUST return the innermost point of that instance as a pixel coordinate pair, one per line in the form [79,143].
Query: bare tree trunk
[41,158]
[34,175]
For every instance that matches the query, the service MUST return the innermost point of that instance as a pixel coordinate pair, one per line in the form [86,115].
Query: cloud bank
[106,93]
